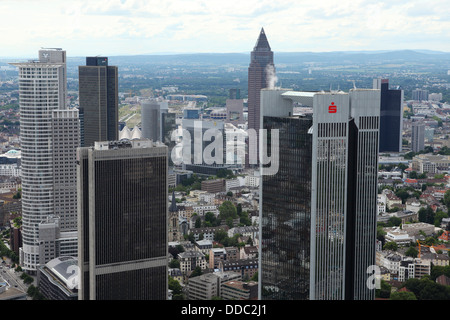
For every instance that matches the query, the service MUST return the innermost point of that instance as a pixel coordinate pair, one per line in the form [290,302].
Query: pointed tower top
[262,44]
[173,206]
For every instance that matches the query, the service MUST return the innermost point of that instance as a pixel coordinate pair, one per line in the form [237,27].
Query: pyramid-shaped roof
[262,44]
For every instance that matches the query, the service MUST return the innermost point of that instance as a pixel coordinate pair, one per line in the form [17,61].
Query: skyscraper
[235,107]
[420,95]
[122,218]
[261,74]
[42,89]
[391,116]
[99,102]
[318,211]
[66,140]
[417,136]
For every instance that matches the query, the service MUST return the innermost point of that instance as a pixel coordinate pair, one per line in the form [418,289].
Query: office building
[54,242]
[318,210]
[157,123]
[261,74]
[66,140]
[239,290]
[430,163]
[209,285]
[99,101]
[42,89]
[420,95]
[123,220]
[58,279]
[151,119]
[202,154]
[417,136]
[235,108]
[391,116]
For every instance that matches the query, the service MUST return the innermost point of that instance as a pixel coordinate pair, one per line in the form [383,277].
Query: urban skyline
[330,199]
[122,27]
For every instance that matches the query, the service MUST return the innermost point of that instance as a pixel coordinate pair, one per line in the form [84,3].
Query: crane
[432,248]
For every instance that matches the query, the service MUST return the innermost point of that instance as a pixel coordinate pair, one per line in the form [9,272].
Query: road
[13,278]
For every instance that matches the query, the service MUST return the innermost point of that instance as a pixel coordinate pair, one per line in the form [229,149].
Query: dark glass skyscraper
[122,218]
[391,116]
[99,101]
[318,211]
[286,208]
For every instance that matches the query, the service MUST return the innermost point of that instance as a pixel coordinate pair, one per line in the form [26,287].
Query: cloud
[142,26]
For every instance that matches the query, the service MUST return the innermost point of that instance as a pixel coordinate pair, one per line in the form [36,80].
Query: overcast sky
[127,27]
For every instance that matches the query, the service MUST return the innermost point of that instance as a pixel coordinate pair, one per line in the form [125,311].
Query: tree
[220,235]
[384,291]
[175,286]
[239,209]
[426,215]
[244,219]
[403,295]
[439,215]
[402,194]
[394,221]
[412,252]
[174,264]
[211,220]
[227,210]
[391,246]
[197,272]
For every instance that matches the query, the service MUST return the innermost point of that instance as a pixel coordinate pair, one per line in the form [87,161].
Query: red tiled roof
[445,236]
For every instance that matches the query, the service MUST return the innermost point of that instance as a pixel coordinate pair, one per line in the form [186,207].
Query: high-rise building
[417,136]
[261,74]
[420,95]
[99,101]
[66,140]
[123,220]
[391,116]
[204,157]
[318,210]
[235,107]
[42,89]
[151,119]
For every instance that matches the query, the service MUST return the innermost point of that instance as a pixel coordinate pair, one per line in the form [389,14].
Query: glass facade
[99,103]
[286,213]
[318,213]
[391,117]
[365,204]
[123,192]
[130,202]
[330,210]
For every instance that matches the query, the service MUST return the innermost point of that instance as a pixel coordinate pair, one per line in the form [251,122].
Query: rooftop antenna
[354,85]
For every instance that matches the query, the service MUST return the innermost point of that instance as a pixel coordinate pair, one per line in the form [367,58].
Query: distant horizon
[423,51]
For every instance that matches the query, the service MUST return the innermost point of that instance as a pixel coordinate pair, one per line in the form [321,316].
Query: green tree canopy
[403,295]
[390,246]
[227,210]
[412,252]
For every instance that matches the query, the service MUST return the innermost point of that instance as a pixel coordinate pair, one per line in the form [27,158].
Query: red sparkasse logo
[332,108]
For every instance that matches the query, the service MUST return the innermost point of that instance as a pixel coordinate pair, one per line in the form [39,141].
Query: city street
[12,278]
